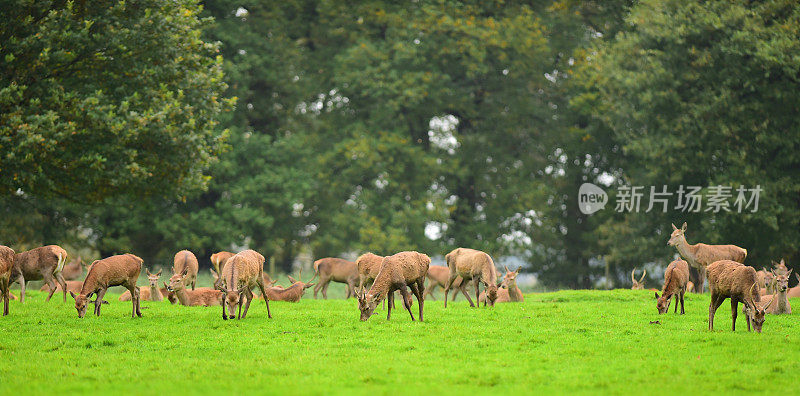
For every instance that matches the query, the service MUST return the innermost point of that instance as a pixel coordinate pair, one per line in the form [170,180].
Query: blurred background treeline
[330,128]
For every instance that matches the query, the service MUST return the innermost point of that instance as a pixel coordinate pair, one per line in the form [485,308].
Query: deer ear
[673,226]
[147,270]
[73,295]
[656,293]
[683,227]
[158,273]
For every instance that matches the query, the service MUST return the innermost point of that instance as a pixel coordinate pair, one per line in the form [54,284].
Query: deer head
[367,304]
[768,277]
[780,268]
[295,281]
[153,278]
[781,281]
[510,276]
[677,235]
[755,314]
[81,302]
[638,285]
[662,303]
[176,281]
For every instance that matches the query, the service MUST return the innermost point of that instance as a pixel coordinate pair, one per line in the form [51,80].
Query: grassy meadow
[562,342]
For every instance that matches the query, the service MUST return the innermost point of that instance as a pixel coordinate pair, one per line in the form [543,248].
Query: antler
[632,278]
[506,267]
[643,275]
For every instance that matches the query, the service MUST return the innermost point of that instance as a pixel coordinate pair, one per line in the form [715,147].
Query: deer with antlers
[241,274]
[6,264]
[396,273]
[734,280]
[637,285]
[701,255]
[675,279]
[120,270]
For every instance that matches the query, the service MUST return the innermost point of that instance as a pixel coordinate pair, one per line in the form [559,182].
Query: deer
[185,260]
[42,263]
[337,270]
[781,286]
[509,291]
[219,259]
[241,274]
[173,299]
[151,293]
[701,255]
[438,276]
[638,285]
[120,270]
[398,271]
[292,293]
[202,296]
[676,278]
[734,280]
[6,265]
[475,265]
[765,278]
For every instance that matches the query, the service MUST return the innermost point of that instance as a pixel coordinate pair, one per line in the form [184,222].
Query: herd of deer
[728,277]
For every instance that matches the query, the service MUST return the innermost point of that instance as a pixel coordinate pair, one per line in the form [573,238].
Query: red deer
[185,261]
[438,276]
[73,269]
[43,263]
[781,305]
[219,259]
[675,279]
[173,299]
[397,271]
[734,280]
[292,293]
[120,270]
[369,265]
[149,293]
[509,291]
[337,270]
[241,274]
[701,255]
[202,296]
[6,264]
[640,284]
[475,265]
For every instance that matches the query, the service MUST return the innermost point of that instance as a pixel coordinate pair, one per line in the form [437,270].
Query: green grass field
[568,341]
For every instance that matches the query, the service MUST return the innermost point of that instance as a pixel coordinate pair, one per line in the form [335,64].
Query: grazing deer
[6,265]
[638,285]
[781,285]
[337,270]
[241,274]
[475,265]
[508,291]
[701,255]
[397,271]
[219,259]
[43,263]
[150,293]
[120,270]
[202,296]
[675,279]
[292,293]
[438,276]
[734,280]
[185,261]
[73,269]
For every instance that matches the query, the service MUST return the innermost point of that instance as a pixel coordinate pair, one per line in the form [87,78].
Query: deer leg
[676,303]
[406,301]
[21,280]
[63,283]
[477,284]
[712,308]
[51,284]
[325,289]
[429,290]
[317,287]
[138,302]
[675,297]
[264,294]
[247,305]
[734,308]
[420,296]
[449,284]
[241,297]
[702,279]
[98,302]
[389,304]
[4,287]
[225,314]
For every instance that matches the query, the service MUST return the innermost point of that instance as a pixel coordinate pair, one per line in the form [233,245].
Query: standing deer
[675,279]
[219,259]
[475,265]
[185,261]
[43,263]
[508,292]
[397,271]
[701,255]
[241,274]
[120,270]
[6,264]
[337,270]
[438,276]
[781,286]
[734,280]
[638,285]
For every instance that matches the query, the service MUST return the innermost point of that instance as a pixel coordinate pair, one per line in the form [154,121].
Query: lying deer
[43,263]
[219,259]
[150,293]
[337,270]
[6,265]
[292,293]
[241,274]
[438,276]
[701,255]
[676,278]
[202,296]
[730,279]
[475,265]
[396,272]
[120,270]
[781,296]
[638,285]
[185,261]
[508,291]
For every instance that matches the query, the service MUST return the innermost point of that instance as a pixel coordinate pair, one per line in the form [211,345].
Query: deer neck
[514,293]
[90,284]
[782,304]
[183,296]
[155,293]
[380,287]
[687,251]
[489,274]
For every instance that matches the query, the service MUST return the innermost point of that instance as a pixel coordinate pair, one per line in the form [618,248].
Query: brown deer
[701,255]
[734,280]
[185,261]
[675,279]
[337,270]
[6,265]
[150,293]
[397,271]
[475,265]
[202,296]
[368,265]
[292,293]
[43,263]
[241,274]
[169,295]
[219,259]
[765,278]
[509,291]
[438,276]
[73,269]
[781,305]
[638,285]
[120,270]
